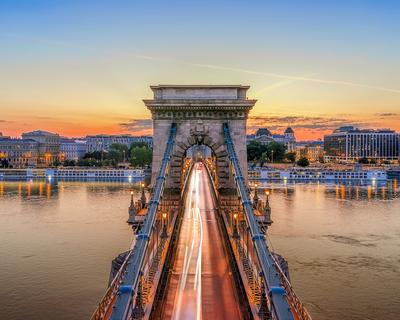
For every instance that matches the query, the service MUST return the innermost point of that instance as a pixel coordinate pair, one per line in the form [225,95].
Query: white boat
[316,174]
[95,174]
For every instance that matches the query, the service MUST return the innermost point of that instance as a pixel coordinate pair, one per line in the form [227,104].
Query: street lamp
[267,211]
[164,229]
[143,197]
[235,226]
[255,198]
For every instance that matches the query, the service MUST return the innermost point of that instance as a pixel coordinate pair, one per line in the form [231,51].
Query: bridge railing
[111,292]
[294,300]
[128,283]
[282,302]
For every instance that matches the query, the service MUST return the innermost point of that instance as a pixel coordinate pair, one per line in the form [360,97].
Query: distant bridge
[200,249]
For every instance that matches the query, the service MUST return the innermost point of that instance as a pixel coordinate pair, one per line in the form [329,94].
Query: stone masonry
[199,112]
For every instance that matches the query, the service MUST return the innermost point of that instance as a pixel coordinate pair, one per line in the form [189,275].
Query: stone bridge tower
[199,112]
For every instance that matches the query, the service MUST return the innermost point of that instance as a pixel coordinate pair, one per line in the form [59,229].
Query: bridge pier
[214,116]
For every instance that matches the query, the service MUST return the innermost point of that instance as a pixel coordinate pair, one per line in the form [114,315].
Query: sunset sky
[83,67]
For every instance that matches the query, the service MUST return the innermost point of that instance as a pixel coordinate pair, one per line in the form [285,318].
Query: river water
[57,241]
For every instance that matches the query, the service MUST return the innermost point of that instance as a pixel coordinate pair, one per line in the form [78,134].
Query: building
[72,149]
[3,137]
[264,136]
[19,153]
[312,150]
[350,144]
[49,146]
[103,142]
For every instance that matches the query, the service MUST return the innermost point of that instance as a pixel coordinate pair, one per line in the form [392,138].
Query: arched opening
[202,153]
[199,152]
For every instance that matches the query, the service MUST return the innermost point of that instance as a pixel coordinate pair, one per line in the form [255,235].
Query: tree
[4,163]
[255,149]
[363,160]
[56,163]
[276,151]
[303,162]
[69,163]
[141,156]
[264,158]
[272,151]
[291,156]
[118,152]
[98,155]
[138,144]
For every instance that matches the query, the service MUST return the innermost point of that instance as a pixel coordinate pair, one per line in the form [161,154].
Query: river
[57,241]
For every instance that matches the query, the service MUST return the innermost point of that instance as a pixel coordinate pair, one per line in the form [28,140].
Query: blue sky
[64,63]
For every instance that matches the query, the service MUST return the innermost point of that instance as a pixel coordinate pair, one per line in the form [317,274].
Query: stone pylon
[132,210]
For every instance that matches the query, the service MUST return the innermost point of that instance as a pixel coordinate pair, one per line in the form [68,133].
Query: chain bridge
[200,248]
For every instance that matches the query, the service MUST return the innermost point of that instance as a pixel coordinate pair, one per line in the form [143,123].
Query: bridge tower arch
[199,112]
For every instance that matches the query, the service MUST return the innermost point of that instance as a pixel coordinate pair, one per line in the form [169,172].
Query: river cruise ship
[95,174]
[316,174]
[22,174]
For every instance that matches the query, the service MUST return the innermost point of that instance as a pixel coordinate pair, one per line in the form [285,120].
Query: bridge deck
[201,285]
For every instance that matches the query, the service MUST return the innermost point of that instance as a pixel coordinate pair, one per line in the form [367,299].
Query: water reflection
[59,232]
[341,241]
[373,191]
[27,190]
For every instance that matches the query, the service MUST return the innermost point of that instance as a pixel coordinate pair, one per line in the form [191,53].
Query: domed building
[265,136]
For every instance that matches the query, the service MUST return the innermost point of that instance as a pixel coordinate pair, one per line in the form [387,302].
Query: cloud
[44,117]
[52,42]
[387,114]
[138,125]
[314,123]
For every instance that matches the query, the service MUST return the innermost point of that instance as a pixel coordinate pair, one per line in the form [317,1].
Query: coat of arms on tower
[199,131]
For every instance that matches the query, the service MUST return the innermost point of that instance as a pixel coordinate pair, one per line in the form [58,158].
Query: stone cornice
[199,104]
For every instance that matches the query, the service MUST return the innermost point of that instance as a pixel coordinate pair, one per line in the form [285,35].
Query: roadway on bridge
[201,285]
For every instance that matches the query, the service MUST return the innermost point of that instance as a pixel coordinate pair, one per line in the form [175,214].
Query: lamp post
[164,229]
[132,210]
[267,211]
[143,197]
[235,226]
[255,198]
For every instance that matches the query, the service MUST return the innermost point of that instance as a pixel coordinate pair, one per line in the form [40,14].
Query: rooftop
[40,133]
[351,129]
[212,93]
[199,86]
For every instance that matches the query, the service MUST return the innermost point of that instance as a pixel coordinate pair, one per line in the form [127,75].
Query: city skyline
[83,68]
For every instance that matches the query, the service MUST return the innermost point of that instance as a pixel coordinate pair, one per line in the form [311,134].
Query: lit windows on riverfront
[351,144]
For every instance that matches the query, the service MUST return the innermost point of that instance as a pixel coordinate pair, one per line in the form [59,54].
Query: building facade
[19,153]
[350,144]
[72,149]
[264,136]
[49,146]
[103,142]
[312,150]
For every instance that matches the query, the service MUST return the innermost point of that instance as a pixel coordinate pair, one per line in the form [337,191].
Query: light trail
[200,285]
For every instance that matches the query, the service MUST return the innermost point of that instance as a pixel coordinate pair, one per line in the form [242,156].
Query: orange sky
[83,67]
[305,127]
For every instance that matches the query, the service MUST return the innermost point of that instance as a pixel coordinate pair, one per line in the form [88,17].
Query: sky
[83,67]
